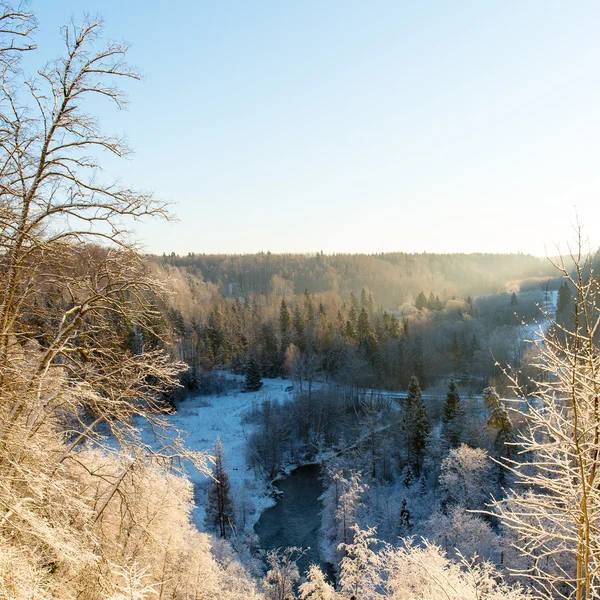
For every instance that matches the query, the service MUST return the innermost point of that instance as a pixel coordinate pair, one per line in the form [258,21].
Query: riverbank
[295,519]
[202,419]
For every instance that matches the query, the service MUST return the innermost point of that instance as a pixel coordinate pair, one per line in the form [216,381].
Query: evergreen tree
[475,345]
[370,305]
[431,301]
[365,330]
[393,327]
[309,309]
[364,299]
[500,421]
[214,335]
[404,521]
[351,329]
[299,329]
[219,509]
[285,321]
[415,425]
[270,356]
[367,339]
[452,419]
[421,301]
[253,381]
[405,328]
[418,363]
[513,300]
[407,476]
[456,353]
[563,305]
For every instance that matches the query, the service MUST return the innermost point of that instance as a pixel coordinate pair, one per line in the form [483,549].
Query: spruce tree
[363,299]
[431,301]
[364,325]
[394,327]
[285,321]
[421,301]
[415,425]
[404,521]
[219,510]
[452,419]
[563,304]
[299,328]
[309,309]
[405,328]
[418,363]
[456,353]
[351,329]
[370,305]
[499,420]
[253,382]
[366,334]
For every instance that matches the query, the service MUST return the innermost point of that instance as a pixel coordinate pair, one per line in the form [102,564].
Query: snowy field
[201,419]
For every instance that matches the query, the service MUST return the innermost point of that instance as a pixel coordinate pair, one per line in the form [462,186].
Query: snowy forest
[271,426]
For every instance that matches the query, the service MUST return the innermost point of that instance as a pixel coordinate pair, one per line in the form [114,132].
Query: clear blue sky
[355,126]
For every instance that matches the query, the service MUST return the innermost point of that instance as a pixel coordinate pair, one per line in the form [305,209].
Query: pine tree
[452,419]
[219,510]
[415,425]
[253,381]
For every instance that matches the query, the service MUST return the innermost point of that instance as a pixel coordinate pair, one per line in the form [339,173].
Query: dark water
[295,519]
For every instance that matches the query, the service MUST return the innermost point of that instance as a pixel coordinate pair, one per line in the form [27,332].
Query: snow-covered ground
[201,419]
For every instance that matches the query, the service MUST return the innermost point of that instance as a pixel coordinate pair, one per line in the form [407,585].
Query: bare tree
[554,511]
[80,348]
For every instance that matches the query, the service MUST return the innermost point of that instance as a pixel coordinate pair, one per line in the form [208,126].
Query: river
[296,518]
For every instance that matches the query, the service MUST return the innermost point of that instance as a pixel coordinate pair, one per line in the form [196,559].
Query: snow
[201,419]
[533,332]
